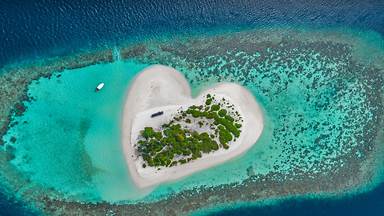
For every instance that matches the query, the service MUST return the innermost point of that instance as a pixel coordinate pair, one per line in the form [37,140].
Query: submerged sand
[163,88]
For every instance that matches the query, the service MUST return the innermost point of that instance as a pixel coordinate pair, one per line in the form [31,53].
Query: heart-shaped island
[167,134]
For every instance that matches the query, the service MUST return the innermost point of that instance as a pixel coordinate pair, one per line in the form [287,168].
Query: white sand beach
[163,88]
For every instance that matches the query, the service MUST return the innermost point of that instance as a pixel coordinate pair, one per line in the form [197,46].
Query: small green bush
[208,101]
[215,107]
[222,112]
[148,132]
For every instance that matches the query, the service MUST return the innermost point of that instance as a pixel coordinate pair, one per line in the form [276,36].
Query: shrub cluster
[172,144]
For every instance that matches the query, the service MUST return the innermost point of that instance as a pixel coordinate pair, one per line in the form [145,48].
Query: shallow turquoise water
[70,140]
[78,131]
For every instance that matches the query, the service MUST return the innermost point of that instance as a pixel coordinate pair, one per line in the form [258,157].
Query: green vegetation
[178,142]
[222,112]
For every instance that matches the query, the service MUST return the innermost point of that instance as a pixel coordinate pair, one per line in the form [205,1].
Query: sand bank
[163,88]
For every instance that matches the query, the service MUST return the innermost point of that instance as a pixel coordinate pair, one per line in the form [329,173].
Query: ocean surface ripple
[32,29]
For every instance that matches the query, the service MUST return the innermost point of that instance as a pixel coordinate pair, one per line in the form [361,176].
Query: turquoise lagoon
[69,137]
[70,140]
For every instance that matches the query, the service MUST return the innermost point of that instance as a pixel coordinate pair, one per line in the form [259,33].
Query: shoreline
[136,104]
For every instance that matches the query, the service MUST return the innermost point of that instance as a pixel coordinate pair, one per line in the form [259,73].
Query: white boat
[99,86]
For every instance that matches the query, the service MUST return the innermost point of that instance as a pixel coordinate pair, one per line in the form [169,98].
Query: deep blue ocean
[36,29]
[31,29]
[371,203]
